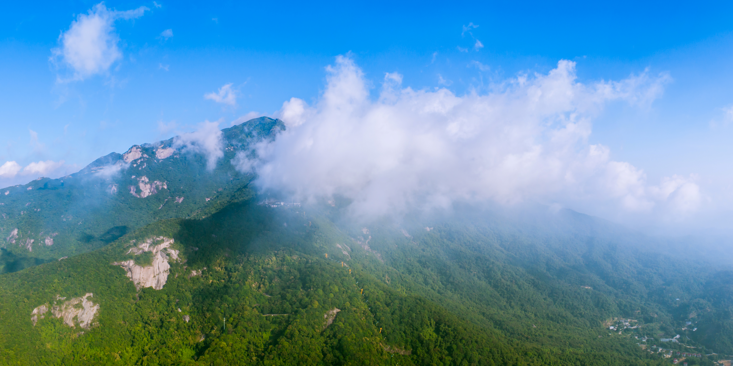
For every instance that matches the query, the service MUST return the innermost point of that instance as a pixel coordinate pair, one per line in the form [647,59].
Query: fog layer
[525,141]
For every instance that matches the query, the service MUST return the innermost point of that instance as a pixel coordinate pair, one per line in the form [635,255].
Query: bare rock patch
[12,237]
[78,310]
[146,188]
[133,154]
[164,153]
[195,273]
[28,244]
[49,239]
[154,275]
[330,316]
[343,251]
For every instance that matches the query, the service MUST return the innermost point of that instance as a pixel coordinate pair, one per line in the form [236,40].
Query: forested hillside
[240,278]
[259,284]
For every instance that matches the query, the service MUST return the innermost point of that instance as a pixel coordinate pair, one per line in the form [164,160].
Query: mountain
[48,219]
[245,279]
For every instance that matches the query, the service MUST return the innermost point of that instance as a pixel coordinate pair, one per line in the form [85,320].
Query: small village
[675,349]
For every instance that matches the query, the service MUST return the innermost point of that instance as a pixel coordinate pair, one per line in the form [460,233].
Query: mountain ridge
[116,193]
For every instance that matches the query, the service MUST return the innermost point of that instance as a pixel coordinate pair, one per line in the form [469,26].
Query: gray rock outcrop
[79,310]
[12,237]
[330,316]
[156,274]
[163,153]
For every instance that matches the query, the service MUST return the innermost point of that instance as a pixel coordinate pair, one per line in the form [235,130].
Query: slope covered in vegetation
[257,284]
[225,276]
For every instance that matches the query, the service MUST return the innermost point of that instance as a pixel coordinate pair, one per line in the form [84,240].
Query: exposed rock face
[195,273]
[133,154]
[38,313]
[28,244]
[164,153]
[179,199]
[343,251]
[365,245]
[81,308]
[48,241]
[186,318]
[156,274]
[146,188]
[112,189]
[12,237]
[330,316]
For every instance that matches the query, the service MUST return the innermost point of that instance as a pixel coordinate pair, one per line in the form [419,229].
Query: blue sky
[170,55]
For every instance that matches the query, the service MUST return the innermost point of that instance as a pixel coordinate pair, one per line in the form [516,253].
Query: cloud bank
[225,95]
[111,171]
[41,168]
[89,46]
[166,34]
[206,140]
[13,173]
[527,141]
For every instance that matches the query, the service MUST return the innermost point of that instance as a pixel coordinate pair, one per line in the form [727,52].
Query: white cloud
[724,120]
[35,144]
[157,5]
[12,173]
[245,162]
[89,46]
[422,148]
[110,171]
[728,112]
[207,140]
[163,67]
[393,78]
[293,112]
[468,28]
[10,169]
[461,49]
[225,95]
[42,168]
[479,65]
[168,33]
[640,90]
[478,45]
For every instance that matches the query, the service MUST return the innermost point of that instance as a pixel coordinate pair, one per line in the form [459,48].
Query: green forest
[252,279]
